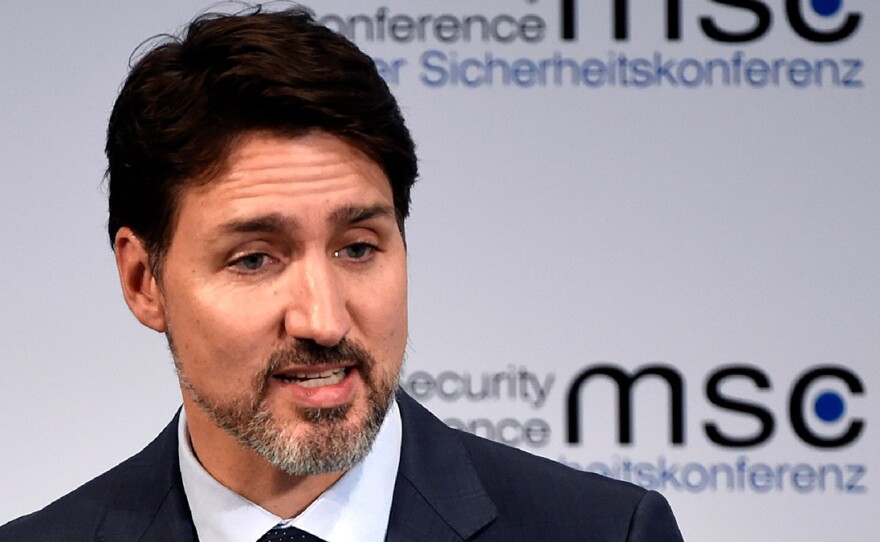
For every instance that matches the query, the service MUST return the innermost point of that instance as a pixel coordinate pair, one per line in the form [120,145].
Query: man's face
[284,295]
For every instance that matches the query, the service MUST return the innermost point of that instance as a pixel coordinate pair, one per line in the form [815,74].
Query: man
[260,175]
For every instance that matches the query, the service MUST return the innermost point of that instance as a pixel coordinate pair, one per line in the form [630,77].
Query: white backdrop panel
[720,212]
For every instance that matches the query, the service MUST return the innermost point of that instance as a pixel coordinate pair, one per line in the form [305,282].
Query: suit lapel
[438,495]
[149,502]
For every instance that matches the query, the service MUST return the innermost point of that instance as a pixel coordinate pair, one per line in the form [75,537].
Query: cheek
[384,318]
[219,337]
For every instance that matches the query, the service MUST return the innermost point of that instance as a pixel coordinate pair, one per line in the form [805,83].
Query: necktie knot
[288,534]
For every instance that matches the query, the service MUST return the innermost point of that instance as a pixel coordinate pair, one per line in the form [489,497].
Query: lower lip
[330,396]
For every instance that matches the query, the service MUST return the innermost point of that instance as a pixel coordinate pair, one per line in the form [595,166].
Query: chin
[325,440]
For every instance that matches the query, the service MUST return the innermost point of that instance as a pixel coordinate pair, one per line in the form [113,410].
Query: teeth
[325,374]
[315,380]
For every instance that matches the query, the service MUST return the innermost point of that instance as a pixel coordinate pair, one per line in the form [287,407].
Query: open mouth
[315,380]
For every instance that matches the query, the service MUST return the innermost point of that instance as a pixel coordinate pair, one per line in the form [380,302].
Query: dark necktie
[289,534]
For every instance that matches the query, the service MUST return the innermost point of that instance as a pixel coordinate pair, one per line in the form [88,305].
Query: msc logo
[816,404]
[840,25]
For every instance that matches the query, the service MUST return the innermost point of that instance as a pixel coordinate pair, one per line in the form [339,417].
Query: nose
[317,308]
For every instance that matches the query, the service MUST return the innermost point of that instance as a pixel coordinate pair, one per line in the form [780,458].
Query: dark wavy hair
[187,100]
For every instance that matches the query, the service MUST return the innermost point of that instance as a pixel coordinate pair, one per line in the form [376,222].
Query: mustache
[304,353]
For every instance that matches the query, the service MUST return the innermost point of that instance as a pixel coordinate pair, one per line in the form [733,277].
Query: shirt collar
[355,508]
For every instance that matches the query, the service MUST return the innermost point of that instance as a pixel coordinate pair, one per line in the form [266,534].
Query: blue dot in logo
[829,406]
[826,8]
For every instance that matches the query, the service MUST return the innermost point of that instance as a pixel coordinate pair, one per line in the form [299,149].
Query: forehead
[263,157]
[268,173]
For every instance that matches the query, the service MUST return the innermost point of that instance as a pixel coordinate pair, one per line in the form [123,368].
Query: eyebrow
[353,214]
[278,223]
[268,223]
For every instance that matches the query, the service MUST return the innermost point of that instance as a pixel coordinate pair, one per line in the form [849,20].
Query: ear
[139,286]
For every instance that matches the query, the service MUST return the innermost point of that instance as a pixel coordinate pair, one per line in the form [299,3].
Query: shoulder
[78,515]
[533,497]
[504,471]
[508,473]
[535,491]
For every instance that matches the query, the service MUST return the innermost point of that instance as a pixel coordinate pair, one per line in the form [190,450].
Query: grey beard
[330,443]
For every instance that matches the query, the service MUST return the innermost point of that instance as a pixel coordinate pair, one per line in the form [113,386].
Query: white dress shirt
[354,509]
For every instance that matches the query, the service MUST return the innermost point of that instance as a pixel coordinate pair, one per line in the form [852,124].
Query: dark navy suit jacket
[451,486]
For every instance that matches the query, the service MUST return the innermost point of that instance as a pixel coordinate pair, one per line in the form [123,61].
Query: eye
[356,252]
[249,262]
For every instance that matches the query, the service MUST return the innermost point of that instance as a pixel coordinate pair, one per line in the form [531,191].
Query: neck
[247,473]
